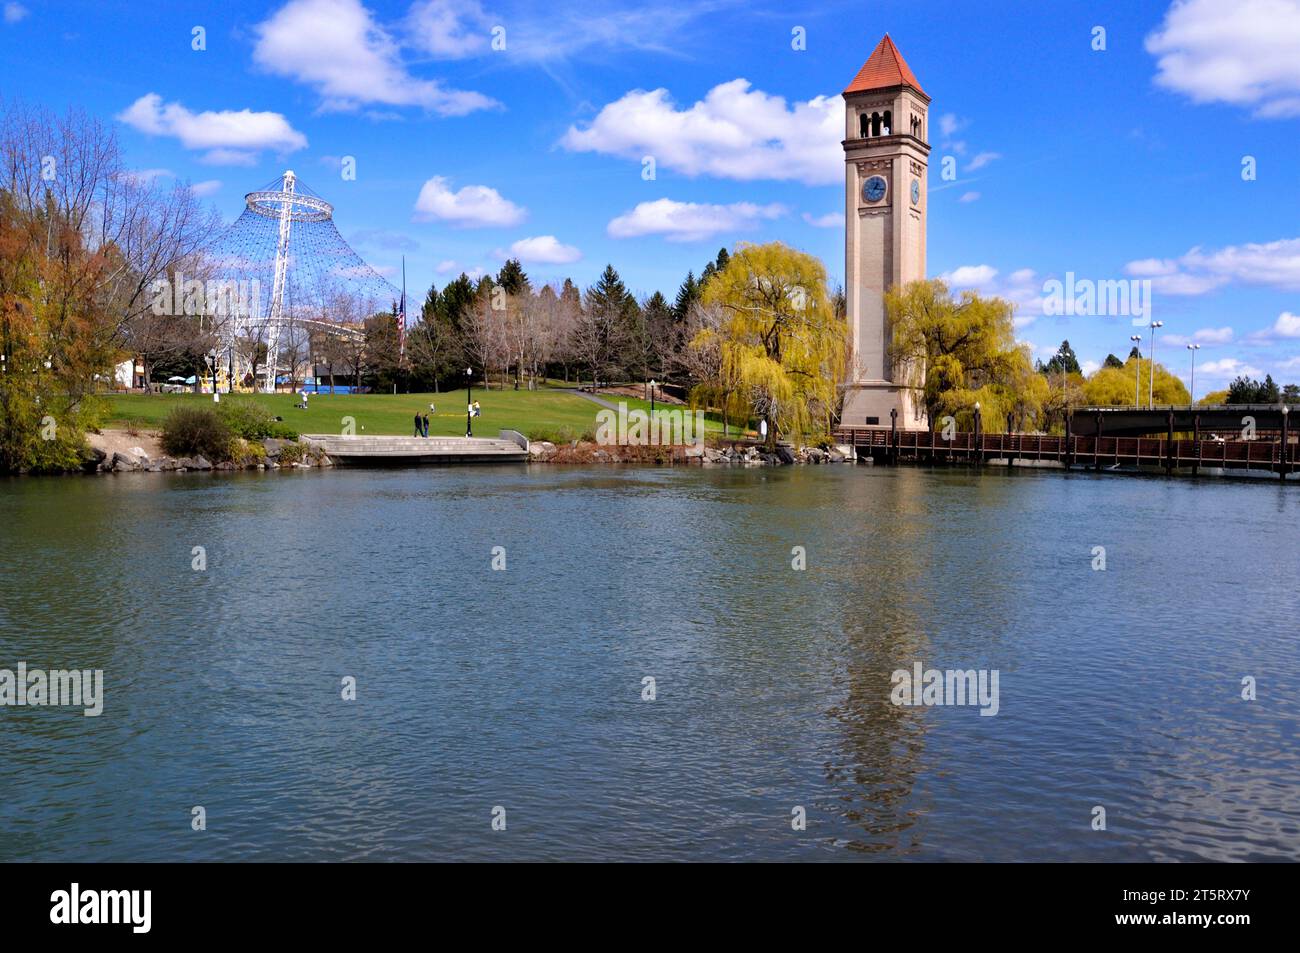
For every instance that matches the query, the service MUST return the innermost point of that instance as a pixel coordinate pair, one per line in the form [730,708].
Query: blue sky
[1112,164]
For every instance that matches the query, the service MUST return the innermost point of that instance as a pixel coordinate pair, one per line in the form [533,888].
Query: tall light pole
[1137,370]
[1151,392]
[652,398]
[214,359]
[1193,348]
[469,401]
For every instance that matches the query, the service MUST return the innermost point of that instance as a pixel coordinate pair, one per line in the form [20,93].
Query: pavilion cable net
[295,273]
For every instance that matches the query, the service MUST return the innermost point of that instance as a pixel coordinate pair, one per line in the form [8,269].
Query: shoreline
[111,451]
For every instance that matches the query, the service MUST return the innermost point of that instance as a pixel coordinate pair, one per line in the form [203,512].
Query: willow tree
[959,352]
[1121,386]
[782,348]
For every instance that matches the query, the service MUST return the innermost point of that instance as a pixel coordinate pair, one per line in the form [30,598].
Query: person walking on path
[419,425]
[426,425]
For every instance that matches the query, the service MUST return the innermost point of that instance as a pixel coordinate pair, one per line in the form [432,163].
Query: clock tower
[886,150]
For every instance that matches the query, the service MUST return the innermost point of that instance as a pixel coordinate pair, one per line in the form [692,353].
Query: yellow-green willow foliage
[781,349]
[1121,386]
[961,351]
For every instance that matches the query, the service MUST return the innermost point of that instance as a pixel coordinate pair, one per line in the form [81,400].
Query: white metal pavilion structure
[286,241]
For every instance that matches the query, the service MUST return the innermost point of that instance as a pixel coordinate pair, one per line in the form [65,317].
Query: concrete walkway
[508,447]
[591,397]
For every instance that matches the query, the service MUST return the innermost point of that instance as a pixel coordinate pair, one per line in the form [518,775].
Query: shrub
[250,420]
[291,453]
[556,435]
[191,431]
[561,435]
[283,432]
[248,453]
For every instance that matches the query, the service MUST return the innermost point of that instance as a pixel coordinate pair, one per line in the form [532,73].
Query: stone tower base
[868,403]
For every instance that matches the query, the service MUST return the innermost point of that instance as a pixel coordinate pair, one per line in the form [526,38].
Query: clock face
[916,191]
[873,190]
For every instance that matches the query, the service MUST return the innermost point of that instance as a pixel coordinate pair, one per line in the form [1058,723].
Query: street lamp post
[213,357]
[469,401]
[1285,465]
[1151,392]
[1137,370]
[1193,348]
[652,398]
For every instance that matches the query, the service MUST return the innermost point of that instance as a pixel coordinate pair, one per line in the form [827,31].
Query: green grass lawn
[528,412]
[712,419]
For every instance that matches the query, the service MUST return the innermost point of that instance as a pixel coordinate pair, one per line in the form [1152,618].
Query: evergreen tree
[660,325]
[1063,361]
[512,279]
[570,294]
[433,342]
[1112,361]
[1243,390]
[687,295]
[456,299]
[715,267]
[430,306]
[604,336]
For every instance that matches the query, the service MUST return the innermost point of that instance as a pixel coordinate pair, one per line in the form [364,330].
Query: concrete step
[393,447]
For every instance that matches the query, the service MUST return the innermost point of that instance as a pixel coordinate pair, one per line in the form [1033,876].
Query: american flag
[401,317]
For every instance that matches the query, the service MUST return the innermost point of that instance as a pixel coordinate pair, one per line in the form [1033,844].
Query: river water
[523,689]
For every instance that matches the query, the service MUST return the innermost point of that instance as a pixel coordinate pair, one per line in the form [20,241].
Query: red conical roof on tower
[883,69]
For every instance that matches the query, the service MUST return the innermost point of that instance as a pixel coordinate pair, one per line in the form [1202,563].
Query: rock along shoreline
[119,452]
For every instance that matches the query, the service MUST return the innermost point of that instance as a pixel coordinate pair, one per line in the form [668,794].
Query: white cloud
[1022,288]
[970,276]
[690,221]
[338,48]
[562,29]
[1272,264]
[1227,368]
[1287,327]
[829,220]
[472,206]
[147,176]
[1208,337]
[451,267]
[542,250]
[1151,268]
[229,157]
[1089,367]
[969,197]
[733,133]
[14,12]
[1183,284]
[232,137]
[1243,53]
[981,160]
[1212,336]
[449,29]
[950,123]
[206,187]
[383,238]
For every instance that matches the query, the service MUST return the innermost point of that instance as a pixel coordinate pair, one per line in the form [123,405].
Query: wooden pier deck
[1095,452]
